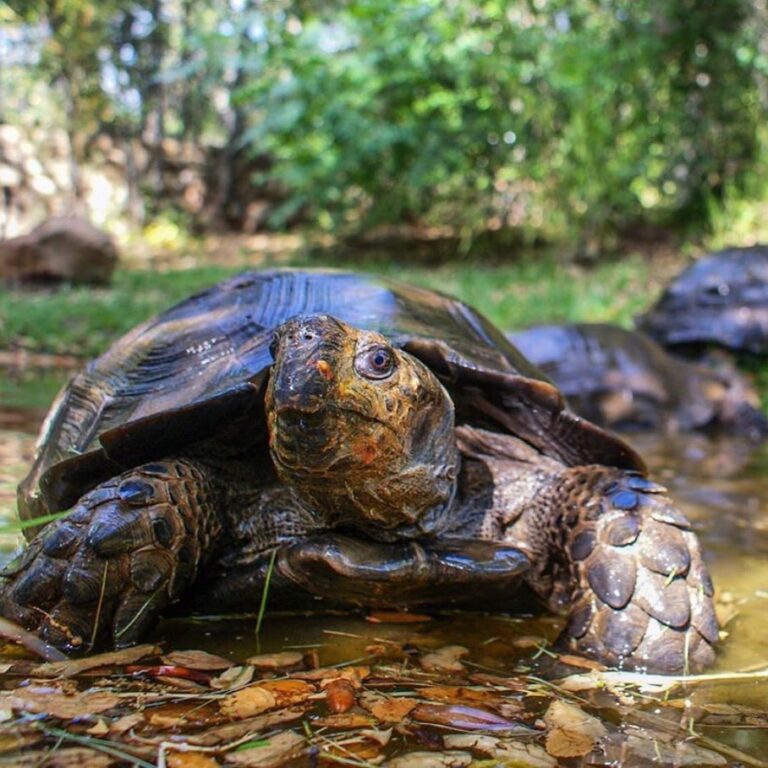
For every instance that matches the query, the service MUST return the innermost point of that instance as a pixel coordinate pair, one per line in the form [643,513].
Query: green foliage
[551,113]
[586,116]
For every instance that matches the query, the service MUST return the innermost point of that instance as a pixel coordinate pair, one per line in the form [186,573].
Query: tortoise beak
[305,350]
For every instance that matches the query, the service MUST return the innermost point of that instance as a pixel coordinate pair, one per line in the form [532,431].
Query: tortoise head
[361,430]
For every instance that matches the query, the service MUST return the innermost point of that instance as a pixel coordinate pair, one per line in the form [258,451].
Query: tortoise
[624,380]
[721,300]
[356,440]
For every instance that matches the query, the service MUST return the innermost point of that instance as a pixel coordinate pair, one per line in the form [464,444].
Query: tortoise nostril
[308,335]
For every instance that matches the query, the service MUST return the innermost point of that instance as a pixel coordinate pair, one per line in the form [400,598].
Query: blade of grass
[265,592]
[15,526]
[99,745]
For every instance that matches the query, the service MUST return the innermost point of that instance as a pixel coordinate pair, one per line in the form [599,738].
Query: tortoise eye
[375,363]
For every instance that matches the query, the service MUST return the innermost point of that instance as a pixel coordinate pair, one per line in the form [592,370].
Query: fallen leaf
[529,641]
[379,735]
[580,662]
[125,723]
[189,759]
[11,742]
[396,617]
[186,713]
[277,751]
[65,706]
[75,757]
[355,674]
[511,752]
[221,734]
[339,696]
[344,721]
[431,760]
[99,729]
[464,718]
[234,677]
[444,659]
[290,691]
[452,694]
[207,662]
[387,709]
[113,658]
[248,702]
[267,694]
[161,720]
[571,731]
[276,660]
[181,683]
[166,671]
[510,683]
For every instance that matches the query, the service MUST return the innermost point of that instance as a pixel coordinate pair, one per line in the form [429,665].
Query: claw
[40,585]
[106,570]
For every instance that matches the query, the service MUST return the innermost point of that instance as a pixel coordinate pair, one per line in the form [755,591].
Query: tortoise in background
[624,380]
[380,444]
[60,249]
[721,299]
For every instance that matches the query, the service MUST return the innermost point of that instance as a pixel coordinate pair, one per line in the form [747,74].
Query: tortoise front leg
[344,570]
[611,547]
[402,574]
[103,574]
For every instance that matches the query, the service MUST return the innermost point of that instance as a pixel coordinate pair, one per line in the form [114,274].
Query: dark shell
[203,363]
[721,299]
[624,379]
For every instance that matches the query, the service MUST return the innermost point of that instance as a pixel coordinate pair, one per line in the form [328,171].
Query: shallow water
[719,485]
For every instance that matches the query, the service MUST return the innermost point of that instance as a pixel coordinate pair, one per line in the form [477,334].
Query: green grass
[84,321]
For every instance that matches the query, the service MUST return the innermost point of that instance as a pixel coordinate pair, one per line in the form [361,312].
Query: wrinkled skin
[388,436]
[356,425]
[624,380]
[721,299]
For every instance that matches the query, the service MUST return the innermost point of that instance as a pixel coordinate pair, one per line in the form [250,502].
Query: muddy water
[720,486]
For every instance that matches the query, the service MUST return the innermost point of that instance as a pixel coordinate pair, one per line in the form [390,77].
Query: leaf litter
[407,706]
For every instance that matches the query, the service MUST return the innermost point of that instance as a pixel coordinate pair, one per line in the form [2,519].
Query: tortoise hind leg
[103,574]
[624,560]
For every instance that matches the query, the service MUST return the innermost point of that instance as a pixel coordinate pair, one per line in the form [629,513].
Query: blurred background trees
[584,119]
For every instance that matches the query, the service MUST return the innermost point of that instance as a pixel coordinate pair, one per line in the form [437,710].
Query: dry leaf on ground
[223,734]
[444,659]
[522,754]
[58,704]
[431,760]
[276,660]
[571,732]
[207,662]
[387,709]
[68,757]
[347,720]
[265,695]
[234,677]
[113,658]
[464,718]
[248,702]
[274,752]
[452,694]
[355,674]
[176,759]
